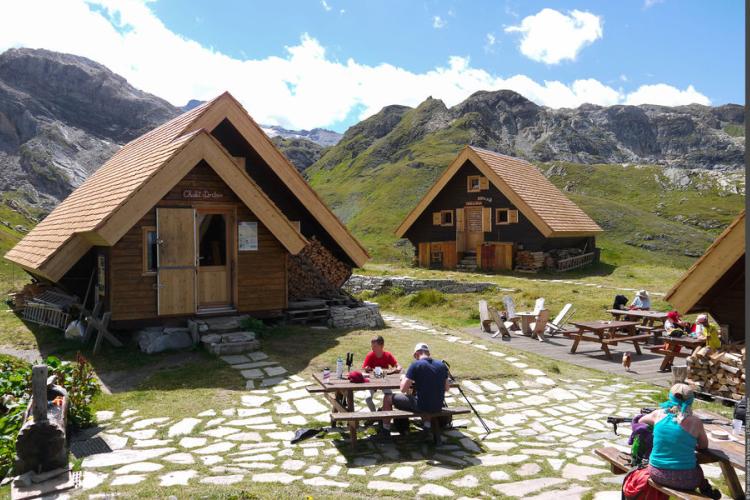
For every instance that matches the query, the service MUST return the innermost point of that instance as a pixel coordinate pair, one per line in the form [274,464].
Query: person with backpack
[677,433]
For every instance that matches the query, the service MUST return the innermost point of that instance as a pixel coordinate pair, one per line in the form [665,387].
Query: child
[380,358]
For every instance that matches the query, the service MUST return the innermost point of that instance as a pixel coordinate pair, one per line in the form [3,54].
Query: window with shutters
[474,183]
[446,217]
[505,216]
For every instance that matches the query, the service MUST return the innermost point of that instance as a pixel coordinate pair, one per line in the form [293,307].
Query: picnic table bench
[353,418]
[730,455]
[606,333]
[672,349]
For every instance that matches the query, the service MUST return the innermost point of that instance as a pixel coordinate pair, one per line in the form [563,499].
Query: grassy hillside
[11,275]
[648,217]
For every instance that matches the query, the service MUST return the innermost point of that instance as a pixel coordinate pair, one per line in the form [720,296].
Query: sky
[331,63]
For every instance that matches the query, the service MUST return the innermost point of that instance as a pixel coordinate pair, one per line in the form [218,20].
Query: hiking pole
[484,424]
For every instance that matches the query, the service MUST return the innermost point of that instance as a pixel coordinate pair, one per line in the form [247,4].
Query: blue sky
[331,63]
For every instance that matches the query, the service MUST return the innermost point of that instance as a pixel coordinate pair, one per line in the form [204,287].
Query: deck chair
[501,328]
[485,321]
[538,305]
[556,325]
[510,311]
[538,326]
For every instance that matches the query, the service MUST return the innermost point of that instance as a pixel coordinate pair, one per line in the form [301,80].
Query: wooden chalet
[201,215]
[715,284]
[496,212]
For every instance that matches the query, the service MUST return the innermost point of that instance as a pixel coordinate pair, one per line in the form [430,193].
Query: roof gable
[718,259]
[107,204]
[227,107]
[548,209]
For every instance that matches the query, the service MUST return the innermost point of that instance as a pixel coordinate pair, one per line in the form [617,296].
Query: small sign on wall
[101,285]
[202,194]
[248,236]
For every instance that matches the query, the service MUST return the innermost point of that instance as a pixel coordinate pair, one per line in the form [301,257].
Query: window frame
[452,218]
[145,230]
[469,179]
[498,221]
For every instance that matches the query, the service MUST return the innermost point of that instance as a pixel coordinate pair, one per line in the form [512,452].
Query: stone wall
[366,316]
[379,284]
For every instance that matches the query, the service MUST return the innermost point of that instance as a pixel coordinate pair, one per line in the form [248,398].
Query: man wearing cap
[424,384]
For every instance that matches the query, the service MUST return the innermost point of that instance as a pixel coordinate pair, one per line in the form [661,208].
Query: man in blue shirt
[424,384]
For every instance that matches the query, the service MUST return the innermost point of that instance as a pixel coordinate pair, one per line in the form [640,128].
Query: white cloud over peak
[438,22]
[302,88]
[666,95]
[551,37]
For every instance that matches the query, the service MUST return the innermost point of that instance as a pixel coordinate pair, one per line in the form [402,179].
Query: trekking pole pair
[484,424]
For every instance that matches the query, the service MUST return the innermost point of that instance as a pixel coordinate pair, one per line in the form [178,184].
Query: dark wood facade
[505,230]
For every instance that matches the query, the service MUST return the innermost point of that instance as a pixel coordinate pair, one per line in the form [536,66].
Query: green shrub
[397,291]
[15,386]
[366,295]
[474,315]
[426,298]
[254,325]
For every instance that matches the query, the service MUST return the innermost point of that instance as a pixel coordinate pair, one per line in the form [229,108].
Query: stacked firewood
[718,372]
[315,272]
[529,261]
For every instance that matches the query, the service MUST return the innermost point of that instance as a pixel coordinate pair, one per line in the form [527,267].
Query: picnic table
[648,318]
[340,393]
[672,349]
[526,319]
[606,333]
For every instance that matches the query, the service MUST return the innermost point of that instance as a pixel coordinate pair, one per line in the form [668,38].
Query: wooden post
[39,392]
[679,373]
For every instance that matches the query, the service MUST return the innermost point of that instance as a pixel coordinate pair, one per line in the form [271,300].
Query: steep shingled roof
[525,186]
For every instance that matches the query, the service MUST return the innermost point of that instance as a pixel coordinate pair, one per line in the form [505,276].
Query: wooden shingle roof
[716,262]
[551,212]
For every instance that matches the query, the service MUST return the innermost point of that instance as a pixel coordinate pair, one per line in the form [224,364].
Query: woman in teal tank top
[677,435]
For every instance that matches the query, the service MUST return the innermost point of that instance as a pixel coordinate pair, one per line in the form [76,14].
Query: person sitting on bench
[641,302]
[424,384]
[380,358]
[677,434]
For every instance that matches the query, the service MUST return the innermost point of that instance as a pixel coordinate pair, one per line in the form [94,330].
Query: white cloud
[325,5]
[489,42]
[438,22]
[666,95]
[302,88]
[551,37]
[650,3]
[623,77]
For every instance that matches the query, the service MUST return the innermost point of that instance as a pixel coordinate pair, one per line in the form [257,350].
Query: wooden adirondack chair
[501,328]
[538,327]
[538,305]
[484,317]
[510,311]
[556,325]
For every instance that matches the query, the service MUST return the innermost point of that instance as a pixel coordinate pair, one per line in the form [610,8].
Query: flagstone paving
[543,433]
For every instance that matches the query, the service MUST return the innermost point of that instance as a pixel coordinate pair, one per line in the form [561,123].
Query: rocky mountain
[61,117]
[685,161]
[320,136]
[301,152]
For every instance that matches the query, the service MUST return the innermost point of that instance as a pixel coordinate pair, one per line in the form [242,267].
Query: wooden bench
[619,463]
[353,417]
[628,338]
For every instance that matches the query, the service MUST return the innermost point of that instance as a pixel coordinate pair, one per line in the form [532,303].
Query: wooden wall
[725,301]
[455,195]
[261,274]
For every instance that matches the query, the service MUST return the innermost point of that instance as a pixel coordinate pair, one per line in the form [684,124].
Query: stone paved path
[544,431]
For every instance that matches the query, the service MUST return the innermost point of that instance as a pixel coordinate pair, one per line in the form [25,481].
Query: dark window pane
[502,216]
[151,251]
[212,235]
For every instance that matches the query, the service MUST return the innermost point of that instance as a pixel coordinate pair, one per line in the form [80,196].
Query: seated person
[430,376]
[677,435]
[378,357]
[674,322]
[705,330]
[641,302]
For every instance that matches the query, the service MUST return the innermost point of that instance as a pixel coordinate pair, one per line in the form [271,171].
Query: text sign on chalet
[202,194]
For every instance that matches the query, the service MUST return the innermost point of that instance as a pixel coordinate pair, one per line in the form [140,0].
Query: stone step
[230,343]
[219,324]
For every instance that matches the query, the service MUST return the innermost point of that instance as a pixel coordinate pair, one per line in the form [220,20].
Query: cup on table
[737,426]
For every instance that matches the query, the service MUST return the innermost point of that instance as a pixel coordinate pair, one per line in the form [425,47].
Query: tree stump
[679,373]
[42,441]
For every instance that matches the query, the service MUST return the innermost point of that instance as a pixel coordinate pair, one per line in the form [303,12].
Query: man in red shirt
[380,358]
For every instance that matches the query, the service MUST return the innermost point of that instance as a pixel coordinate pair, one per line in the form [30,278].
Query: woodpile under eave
[719,372]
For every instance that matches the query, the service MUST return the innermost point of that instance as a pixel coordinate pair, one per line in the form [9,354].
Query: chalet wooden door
[175,261]
[474,229]
[214,236]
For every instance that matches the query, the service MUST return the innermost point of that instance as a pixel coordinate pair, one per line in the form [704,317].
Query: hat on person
[642,294]
[421,346]
[356,377]
[702,318]
[673,315]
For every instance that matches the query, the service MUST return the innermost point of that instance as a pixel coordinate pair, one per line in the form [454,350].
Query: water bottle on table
[339,368]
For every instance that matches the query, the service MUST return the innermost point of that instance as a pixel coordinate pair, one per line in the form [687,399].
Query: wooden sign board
[202,194]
